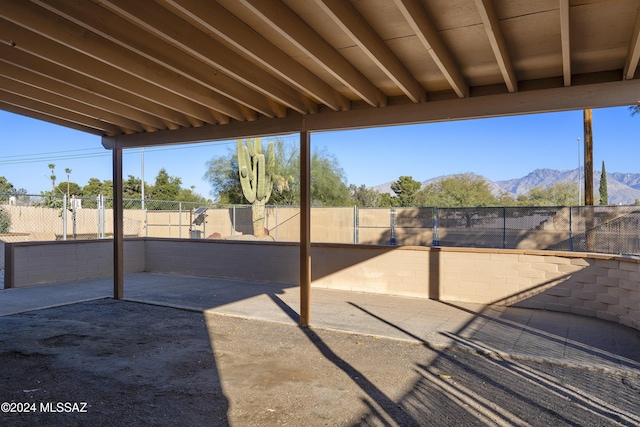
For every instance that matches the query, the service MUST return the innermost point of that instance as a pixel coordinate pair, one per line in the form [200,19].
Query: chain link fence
[605,229]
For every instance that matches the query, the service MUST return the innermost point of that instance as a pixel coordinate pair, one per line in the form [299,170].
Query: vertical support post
[305,228]
[180,220]
[504,227]
[118,226]
[64,217]
[355,225]
[73,215]
[277,224]
[233,221]
[570,229]
[588,157]
[588,180]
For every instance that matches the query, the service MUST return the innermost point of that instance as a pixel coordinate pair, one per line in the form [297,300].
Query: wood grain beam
[633,53]
[497,41]
[565,31]
[347,17]
[289,25]
[213,18]
[173,30]
[415,14]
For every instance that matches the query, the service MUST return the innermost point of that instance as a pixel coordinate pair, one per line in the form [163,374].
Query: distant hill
[623,188]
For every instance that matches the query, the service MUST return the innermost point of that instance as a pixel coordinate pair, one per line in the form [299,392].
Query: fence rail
[605,229]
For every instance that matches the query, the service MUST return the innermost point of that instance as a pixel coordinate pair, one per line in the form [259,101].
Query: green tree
[328,186]
[405,188]
[464,190]
[560,194]
[364,197]
[604,195]
[5,221]
[6,189]
[166,187]
[72,188]
[95,187]
[52,168]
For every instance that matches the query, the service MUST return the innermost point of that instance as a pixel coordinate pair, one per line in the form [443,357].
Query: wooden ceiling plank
[289,25]
[565,41]
[633,55]
[45,118]
[347,17]
[53,111]
[108,97]
[217,20]
[112,27]
[193,99]
[61,55]
[86,101]
[497,41]
[417,17]
[167,26]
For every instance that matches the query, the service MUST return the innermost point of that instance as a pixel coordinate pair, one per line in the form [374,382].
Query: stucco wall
[595,285]
[35,263]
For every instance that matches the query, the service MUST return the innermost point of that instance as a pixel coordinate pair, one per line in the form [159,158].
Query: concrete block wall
[234,259]
[36,263]
[602,286]
[594,285]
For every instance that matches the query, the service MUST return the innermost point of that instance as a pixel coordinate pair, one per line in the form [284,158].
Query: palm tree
[53,177]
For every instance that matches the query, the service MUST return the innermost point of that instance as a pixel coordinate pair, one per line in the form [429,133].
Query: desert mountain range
[622,188]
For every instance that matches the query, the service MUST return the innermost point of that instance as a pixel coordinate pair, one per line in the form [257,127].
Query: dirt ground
[118,363]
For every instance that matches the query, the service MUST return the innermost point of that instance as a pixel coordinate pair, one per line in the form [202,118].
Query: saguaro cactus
[256,178]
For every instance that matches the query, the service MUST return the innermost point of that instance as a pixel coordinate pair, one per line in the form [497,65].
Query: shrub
[5,221]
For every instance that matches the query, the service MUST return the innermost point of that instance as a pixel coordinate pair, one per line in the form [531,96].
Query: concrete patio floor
[366,360]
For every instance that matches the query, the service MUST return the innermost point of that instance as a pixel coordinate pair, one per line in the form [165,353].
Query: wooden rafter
[350,21]
[633,54]
[297,32]
[566,42]
[417,17]
[498,44]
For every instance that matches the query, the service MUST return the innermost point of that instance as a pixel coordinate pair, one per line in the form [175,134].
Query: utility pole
[579,180]
[588,157]
[588,180]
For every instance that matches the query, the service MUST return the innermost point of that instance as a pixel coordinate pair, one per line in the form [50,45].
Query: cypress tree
[604,196]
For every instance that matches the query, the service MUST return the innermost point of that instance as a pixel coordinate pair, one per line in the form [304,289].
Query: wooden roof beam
[289,25]
[19,100]
[216,19]
[65,57]
[498,44]
[163,24]
[193,100]
[633,54]
[19,81]
[566,42]
[15,109]
[113,27]
[351,22]
[415,14]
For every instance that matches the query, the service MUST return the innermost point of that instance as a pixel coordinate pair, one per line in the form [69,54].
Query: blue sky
[499,149]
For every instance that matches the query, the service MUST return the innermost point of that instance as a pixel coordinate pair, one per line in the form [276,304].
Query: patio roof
[151,72]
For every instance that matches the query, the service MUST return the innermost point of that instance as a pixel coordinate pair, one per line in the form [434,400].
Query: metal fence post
[146,222]
[504,227]
[570,229]
[233,221]
[73,215]
[180,220]
[277,224]
[64,217]
[355,225]
[392,220]
[434,221]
